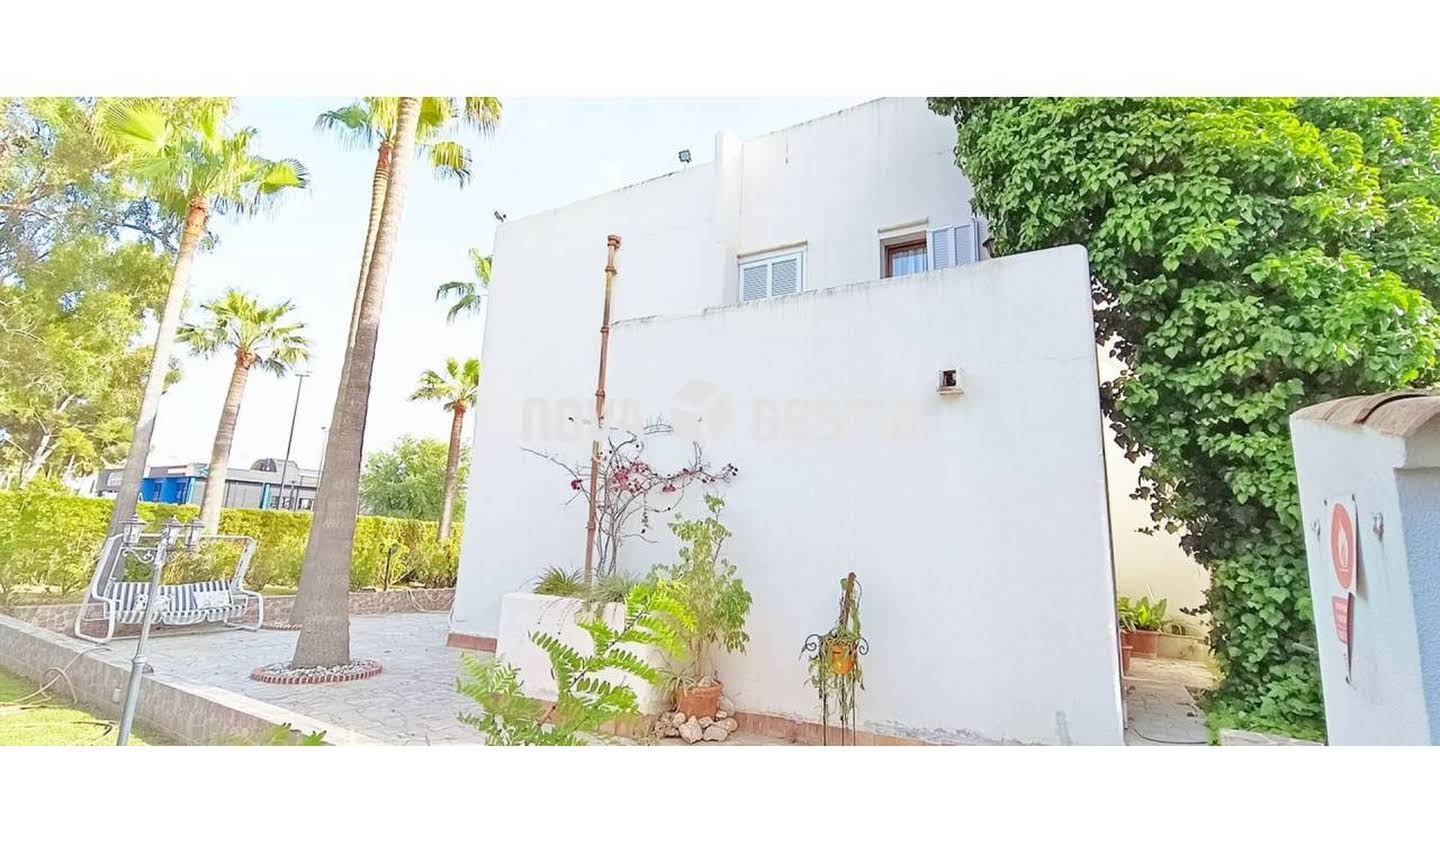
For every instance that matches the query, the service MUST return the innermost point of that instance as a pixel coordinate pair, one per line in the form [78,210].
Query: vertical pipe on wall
[613,244]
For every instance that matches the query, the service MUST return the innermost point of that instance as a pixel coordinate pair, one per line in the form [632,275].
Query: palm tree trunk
[378,186]
[129,493]
[220,452]
[323,601]
[452,468]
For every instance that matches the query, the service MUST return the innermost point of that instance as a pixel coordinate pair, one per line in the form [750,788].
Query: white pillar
[1369,474]
[725,214]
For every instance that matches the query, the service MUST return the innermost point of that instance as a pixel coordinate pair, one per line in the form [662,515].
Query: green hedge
[52,540]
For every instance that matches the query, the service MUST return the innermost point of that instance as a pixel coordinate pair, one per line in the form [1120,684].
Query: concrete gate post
[1369,475]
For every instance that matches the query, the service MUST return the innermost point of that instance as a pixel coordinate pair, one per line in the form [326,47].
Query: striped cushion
[178,603]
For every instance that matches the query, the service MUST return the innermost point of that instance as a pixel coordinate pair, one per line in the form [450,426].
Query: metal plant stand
[835,660]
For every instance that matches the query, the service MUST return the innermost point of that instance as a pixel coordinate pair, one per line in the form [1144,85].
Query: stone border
[280,673]
[182,711]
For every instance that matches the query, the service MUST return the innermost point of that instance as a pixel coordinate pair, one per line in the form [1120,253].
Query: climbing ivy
[1248,257]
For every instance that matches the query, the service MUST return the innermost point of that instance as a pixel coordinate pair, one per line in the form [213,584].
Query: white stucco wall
[1393,694]
[1146,564]
[965,517]
[837,185]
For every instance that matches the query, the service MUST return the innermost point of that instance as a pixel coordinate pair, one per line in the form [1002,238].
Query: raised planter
[522,613]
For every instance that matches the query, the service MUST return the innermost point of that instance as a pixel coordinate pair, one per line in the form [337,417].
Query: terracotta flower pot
[1146,642]
[698,701]
[1125,651]
[842,659]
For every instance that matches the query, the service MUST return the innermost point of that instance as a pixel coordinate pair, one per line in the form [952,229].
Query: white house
[795,306]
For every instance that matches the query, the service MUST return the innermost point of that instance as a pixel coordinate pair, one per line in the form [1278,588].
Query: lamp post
[171,532]
[285,466]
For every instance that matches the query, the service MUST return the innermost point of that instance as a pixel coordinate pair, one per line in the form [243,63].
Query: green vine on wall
[1248,257]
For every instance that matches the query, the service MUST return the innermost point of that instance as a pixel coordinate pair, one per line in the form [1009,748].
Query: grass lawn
[49,720]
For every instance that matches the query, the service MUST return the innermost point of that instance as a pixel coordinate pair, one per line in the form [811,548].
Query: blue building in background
[256,487]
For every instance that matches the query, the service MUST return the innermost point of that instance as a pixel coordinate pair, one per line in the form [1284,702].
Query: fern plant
[585,701]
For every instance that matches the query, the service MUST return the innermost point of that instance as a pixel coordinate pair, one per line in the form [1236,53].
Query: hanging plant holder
[834,659]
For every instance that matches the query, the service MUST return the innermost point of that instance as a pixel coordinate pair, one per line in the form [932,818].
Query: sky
[547,152]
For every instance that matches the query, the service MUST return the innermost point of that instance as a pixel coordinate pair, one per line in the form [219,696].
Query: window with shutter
[772,275]
[785,276]
[953,245]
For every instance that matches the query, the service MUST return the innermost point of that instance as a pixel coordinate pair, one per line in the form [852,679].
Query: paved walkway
[412,702]
[1158,705]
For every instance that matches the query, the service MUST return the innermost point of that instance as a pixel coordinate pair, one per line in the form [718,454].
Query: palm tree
[322,605]
[257,337]
[470,295]
[191,167]
[456,390]
[371,121]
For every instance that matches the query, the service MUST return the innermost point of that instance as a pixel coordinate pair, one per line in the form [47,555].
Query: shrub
[50,538]
[715,600]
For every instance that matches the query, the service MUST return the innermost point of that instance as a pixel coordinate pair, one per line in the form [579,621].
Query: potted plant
[716,602]
[1126,618]
[834,663]
[1145,622]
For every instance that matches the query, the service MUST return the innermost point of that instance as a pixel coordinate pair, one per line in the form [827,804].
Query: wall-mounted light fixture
[684,156]
[950,383]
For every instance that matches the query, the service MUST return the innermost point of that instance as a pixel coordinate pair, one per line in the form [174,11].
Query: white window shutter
[942,247]
[785,276]
[754,282]
[965,251]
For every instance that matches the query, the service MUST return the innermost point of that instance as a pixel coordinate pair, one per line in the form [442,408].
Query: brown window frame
[905,245]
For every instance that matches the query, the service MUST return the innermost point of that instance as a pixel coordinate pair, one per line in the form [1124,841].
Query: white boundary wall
[977,523]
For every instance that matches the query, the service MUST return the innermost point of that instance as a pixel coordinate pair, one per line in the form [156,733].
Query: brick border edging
[462,641]
[273,677]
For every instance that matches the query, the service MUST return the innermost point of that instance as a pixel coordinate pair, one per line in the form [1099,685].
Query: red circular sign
[1342,545]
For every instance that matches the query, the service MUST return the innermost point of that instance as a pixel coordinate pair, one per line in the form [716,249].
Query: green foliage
[614,587]
[237,323]
[50,538]
[469,294]
[71,324]
[714,598]
[834,665]
[407,480]
[585,703]
[282,735]
[1248,257]
[558,582]
[1141,614]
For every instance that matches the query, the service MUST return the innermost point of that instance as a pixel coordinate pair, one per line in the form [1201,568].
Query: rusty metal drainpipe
[613,243]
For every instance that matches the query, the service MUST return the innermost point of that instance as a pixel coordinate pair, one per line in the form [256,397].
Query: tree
[456,390]
[191,168]
[1248,257]
[69,386]
[371,121]
[59,182]
[322,604]
[469,295]
[257,336]
[407,480]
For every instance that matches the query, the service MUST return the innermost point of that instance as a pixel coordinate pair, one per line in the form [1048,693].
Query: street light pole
[285,466]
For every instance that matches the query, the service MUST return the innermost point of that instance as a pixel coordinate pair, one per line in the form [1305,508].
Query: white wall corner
[725,214]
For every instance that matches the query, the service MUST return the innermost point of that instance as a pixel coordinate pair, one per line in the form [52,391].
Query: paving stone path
[1158,704]
[412,702]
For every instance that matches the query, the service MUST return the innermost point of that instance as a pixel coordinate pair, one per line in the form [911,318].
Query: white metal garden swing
[121,602]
